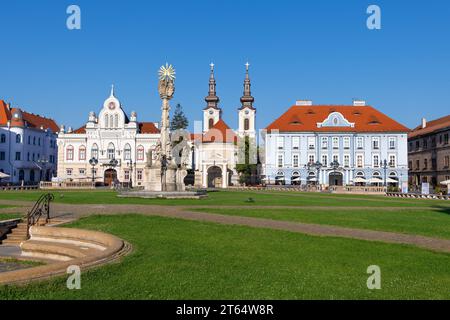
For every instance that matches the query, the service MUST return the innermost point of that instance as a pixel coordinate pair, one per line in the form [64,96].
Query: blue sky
[319,50]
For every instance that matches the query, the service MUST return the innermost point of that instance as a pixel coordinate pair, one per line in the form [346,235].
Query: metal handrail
[42,206]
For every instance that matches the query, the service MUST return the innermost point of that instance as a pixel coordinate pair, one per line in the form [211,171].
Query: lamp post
[317,166]
[41,162]
[130,165]
[93,162]
[385,165]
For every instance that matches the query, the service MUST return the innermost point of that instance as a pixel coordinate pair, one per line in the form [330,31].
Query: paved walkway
[68,212]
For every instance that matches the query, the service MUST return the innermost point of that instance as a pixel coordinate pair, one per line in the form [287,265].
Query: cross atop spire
[247,99]
[212,99]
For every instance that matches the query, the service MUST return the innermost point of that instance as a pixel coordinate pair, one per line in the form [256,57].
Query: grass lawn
[427,222]
[8,216]
[230,198]
[178,259]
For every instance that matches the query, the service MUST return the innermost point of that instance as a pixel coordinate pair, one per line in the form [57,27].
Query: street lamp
[130,164]
[385,165]
[315,165]
[93,162]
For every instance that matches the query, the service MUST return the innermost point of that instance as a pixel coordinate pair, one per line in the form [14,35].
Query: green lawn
[427,222]
[178,259]
[8,216]
[230,198]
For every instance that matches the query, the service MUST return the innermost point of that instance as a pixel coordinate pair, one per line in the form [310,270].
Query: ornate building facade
[216,147]
[28,150]
[429,153]
[111,148]
[335,146]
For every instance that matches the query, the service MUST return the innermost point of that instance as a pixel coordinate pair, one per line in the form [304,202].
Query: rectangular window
[360,143]
[295,163]
[17,156]
[324,142]
[311,158]
[447,162]
[127,175]
[280,160]
[346,160]
[425,164]
[335,158]
[375,143]
[2,155]
[311,143]
[446,138]
[69,153]
[296,143]
[82,153]
[82,172]
[392,161]
[425,143]
[335,142]
[139,174]
[346,143]
[69,172]
[417,164]
[359,161]
[392,143]
[325,160]
[280,143]
[376,161]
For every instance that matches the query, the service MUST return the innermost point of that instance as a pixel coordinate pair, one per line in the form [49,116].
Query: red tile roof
[434,125]
[148,127]
[81,130]
[305,119]
[33,120]
[220,132]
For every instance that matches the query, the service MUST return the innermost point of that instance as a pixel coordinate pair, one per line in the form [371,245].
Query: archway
[336,179]
[214,177]
[110,177]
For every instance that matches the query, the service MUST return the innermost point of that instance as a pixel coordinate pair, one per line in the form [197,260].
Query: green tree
[248,173]
[179,119]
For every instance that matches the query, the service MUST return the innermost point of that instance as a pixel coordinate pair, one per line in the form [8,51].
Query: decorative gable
[335,119]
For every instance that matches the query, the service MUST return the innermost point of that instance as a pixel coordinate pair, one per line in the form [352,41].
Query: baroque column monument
[162,172]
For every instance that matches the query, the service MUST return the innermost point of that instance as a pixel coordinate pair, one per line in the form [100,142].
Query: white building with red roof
[335,145]
[28,148]
[216,148]
[110,148]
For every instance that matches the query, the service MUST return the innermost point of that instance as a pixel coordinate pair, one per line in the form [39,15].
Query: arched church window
[116,120]
[82,153]
[69,152]
[127,152]
[246,124]
[211,123]
[94,151]
[106,121]
[140,153]
[111,121]
[111,151]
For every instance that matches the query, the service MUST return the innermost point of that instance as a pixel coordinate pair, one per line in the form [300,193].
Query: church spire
[247,99]
[212,99]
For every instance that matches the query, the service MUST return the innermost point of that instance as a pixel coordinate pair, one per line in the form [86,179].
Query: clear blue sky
[319,50]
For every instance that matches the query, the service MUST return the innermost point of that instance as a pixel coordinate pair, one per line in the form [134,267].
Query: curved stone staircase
[60,248]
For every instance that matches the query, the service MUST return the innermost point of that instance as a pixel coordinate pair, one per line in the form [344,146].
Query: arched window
[127,152]
[140,153]
[211,123]
[18,138]
[111,151]
[3,138]
[69,153]
[94,151]
[111,121]
[116,120]
[246,124]
[106,121]
[82,153]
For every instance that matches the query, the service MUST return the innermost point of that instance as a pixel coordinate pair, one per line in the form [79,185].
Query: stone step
[11,242]
[18,232]
[16,237]
[55,250]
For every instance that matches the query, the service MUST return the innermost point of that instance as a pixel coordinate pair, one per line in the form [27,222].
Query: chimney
[359,103]
[304,103]
[424,123]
